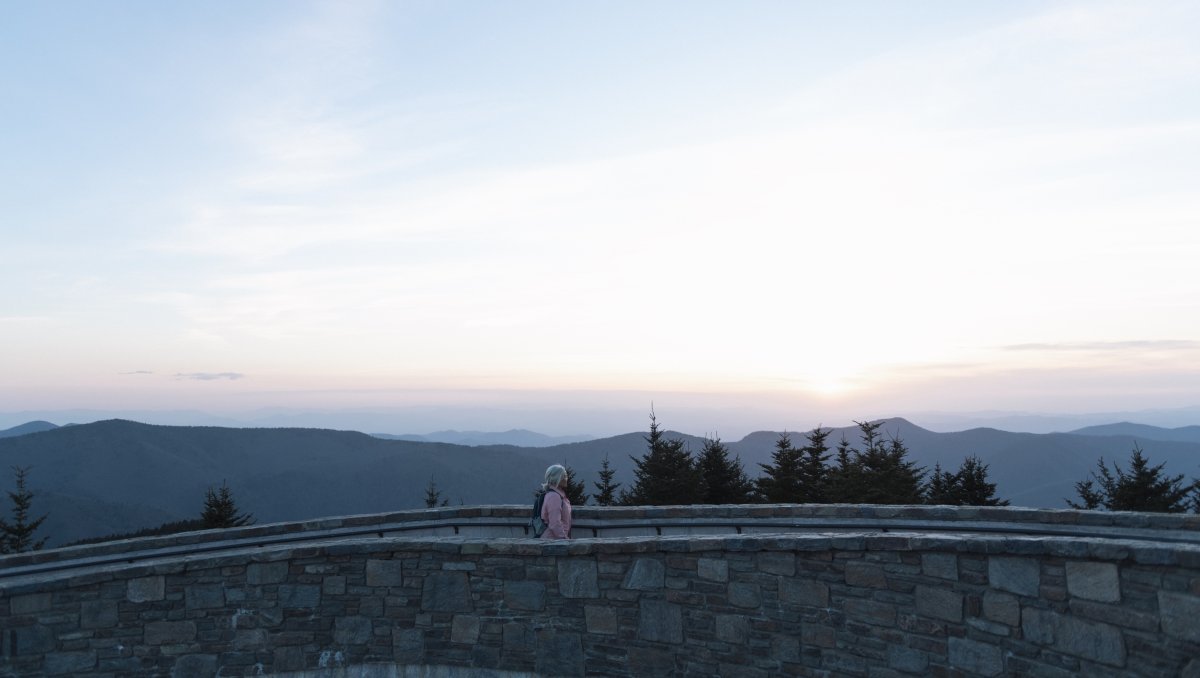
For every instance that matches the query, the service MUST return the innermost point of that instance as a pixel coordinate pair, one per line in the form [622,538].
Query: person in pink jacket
[556,508]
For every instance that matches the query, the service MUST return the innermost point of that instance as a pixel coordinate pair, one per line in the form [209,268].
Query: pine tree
[17,536]
[844,480]
[432,495]
[814,474]
[880,473]
[781,482]
[665,476]
[221,511]
[575,488]
[1142,488]
[940,489]
[724,479]
[606,489]
[972,486]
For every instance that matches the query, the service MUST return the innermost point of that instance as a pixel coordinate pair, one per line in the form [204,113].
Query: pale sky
[833,209]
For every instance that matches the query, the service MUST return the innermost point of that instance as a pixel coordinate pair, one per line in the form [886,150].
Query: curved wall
[949,599]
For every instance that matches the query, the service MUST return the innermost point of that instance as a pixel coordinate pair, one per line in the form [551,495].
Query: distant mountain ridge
[516,437]
[27,428]
[1189,434]
[120,476]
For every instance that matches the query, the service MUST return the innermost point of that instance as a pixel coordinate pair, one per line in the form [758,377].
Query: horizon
[757,216]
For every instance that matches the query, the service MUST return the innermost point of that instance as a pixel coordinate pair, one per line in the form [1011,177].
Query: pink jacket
[556,511]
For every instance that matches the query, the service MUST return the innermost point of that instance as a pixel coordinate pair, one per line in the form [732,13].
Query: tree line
[877,471]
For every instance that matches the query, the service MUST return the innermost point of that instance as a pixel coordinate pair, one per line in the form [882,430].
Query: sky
[748,214]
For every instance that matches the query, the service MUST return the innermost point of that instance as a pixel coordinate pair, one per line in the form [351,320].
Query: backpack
[536,525]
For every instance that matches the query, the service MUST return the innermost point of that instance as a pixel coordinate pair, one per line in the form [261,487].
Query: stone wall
[855,604]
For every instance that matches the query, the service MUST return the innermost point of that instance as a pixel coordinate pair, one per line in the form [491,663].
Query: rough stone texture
[384,573]
[712,569]
[1096,642]
[855,603]
[1001,607]
[645,575]
[145,589]
[1180,614]
[578,579]
[525,595]
[939,603]
[1016,575]
[1093,581]
[940,565]
[446,592]
[660,621]
[976,657]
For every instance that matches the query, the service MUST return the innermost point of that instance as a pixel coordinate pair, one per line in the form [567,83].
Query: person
[556,508]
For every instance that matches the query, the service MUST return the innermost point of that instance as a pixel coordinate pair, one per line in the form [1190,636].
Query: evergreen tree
[880,473]
[844,480]
[781,482]
[972,486]
[17,536]
[221,511]
[665,476]
[575,488]
[966,487]
[606,489]
[432,495]
[724,479]
[1142,488]
[814,474]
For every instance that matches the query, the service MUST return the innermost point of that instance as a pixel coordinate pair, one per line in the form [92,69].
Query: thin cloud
[137,372]
[210,376]
[1146,345]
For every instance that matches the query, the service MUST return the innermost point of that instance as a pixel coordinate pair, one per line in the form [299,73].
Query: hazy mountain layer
[119,476]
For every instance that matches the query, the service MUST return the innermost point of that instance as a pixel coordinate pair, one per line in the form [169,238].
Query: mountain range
[119,476]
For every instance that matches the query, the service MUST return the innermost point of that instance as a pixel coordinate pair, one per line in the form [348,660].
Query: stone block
[333,586]
[408,646]
[299,596]
[991,627]
[578,579]
[870,611]
[98,614]
[785,649]
[384,573]
[525,595]
[1180,614]
[773,562]
[1015,575]
[1095,642]
[808,592]
[743,594]
[907,660]
[1093,581]
[289,658]
[30,603]
[817,635]
[660,621]
[250,639]
[464,629]
[145,589]
[351,631]
[26,640]
[646,574]
[939,603]
[1001,607]
[518,637]
[869,575]
[446,592]
[259,574]
[600,620]
[976,657]
[69,663]
[195,666]
[169,632]
[559,653]
[940,565]
[652,663]
[203,596]
[733,628]
[712,569]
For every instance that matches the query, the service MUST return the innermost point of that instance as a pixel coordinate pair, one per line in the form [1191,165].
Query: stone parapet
[846,603]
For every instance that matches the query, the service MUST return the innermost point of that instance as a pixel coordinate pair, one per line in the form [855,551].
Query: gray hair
[554,476]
